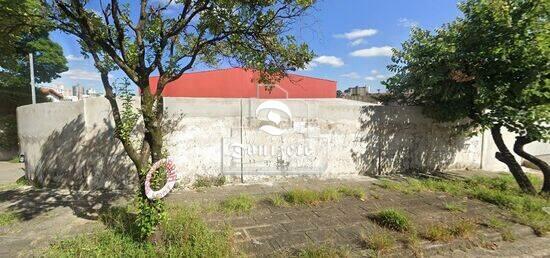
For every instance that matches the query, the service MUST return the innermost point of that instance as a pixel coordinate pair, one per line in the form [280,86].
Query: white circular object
[170,180]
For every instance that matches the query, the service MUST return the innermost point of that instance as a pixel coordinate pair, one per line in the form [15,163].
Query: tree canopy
[170,38]
[491,66]
[26,31]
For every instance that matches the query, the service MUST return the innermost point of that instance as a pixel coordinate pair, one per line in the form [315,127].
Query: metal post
[242,167]
[33,94]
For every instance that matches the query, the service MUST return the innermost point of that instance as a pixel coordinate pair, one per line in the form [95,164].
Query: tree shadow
[82,156]
[81,166]
[30,203]
[395,139]
[73,160]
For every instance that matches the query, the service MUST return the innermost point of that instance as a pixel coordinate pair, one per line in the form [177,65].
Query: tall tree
[171,37]
[489,66]
[26,31]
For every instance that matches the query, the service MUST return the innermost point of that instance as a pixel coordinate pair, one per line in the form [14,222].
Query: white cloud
[357,42]
[404,22]
[328,60]
[74,58]
[357,34]
[375,76]
[352,75]
[309,66]
[164,2]
[373,51]
[78,74]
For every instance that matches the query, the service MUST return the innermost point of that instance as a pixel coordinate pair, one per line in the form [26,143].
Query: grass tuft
[238,204]
[330,194]
[455,207]
[182,234]
[14,159]
[311,197]
[352,192]
[500,190]
[446,233]
[302,196]
[392,219]
[8,218]
[324,251]
[507,235]
[437,232]
[209,181]
[378,241]
[502,227]
[463,228]
[278,200]
[495,223]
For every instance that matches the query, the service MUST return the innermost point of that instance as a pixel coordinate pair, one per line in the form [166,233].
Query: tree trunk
[521,141]
[505,156]
[152,121]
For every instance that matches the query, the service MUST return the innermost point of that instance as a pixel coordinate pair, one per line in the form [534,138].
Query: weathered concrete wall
[71,144]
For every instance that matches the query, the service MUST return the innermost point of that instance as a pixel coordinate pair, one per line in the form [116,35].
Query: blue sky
[351,38]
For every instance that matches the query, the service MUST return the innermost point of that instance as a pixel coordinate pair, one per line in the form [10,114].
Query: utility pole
[33,93]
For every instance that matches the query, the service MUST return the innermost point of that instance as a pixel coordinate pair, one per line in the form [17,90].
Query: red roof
[241,83]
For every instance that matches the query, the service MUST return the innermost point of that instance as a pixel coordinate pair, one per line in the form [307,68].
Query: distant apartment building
[78,91]
[91,92]
[360,93]
[74,93]
[357,91]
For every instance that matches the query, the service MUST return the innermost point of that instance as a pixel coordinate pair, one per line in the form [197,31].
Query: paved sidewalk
[48,215]
[10,172]
[275,231]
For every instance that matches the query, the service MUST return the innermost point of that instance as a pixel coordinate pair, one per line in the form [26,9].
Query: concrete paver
[268,230]
[346,222]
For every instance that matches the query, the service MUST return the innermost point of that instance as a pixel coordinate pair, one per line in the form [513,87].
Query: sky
[352,40]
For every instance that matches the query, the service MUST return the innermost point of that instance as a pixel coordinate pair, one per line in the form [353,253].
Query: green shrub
[121,219]
[392,219]
[8,132]
[150,214]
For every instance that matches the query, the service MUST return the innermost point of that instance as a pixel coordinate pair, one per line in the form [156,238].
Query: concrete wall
[71,144]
